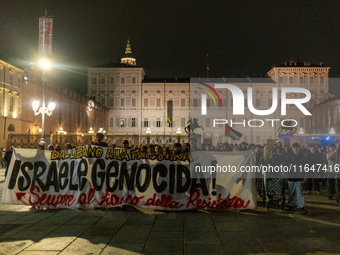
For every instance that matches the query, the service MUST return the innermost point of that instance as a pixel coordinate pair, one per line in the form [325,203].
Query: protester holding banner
[8,157]
[126,145]
[99,140]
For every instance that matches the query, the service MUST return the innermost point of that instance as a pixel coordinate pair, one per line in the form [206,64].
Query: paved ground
[24,232]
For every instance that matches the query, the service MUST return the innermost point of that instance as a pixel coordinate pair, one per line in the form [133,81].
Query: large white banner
[91,177]
[45,36]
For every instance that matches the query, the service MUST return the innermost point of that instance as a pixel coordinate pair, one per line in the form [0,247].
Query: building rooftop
[168,80]
[292,63]
[115,65]
[187,80]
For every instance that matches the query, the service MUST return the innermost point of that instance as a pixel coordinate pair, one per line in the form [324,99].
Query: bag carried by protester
[274,186]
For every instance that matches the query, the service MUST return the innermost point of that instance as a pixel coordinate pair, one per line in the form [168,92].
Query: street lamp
[148,132]
[179,132]
[332,132]
[301,132]
[44,64]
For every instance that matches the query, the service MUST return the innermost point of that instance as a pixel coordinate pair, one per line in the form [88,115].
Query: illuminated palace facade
[138,104]
[74,113]
[10,100]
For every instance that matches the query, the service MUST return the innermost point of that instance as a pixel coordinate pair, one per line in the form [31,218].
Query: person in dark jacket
[296,158]
[279,156]
[258,155]
[8,157]
[333,183]
[313,159]
[99,140]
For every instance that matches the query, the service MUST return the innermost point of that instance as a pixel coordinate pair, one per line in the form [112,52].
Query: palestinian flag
[233,134]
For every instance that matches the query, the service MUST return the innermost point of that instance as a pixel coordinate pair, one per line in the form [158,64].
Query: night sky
[172,38]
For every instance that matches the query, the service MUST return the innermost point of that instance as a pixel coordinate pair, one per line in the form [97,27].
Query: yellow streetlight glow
[51,106]
[35,105]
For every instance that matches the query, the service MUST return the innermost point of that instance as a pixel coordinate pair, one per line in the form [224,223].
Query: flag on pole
[207,65]
[232,133]
[169,111]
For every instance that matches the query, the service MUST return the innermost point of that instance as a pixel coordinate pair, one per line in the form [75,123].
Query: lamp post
[43,109]
[179,132]
[301,132]
[61,131]
[148,132]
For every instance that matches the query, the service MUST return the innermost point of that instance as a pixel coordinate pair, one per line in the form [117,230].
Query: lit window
[122,122]
[182,122]
[11,104]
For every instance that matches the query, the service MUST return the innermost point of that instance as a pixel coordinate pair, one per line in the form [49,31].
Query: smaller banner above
[45,36]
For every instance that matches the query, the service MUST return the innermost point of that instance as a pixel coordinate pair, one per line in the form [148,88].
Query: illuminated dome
[128,59]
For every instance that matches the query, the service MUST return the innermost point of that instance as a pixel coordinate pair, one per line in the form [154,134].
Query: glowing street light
[332,132]
[179,132]
[44,64]
[148,132]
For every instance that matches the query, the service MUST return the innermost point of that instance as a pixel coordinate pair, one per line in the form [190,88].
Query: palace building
[138,104]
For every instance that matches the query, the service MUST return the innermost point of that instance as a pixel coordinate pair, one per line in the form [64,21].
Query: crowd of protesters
[275,155]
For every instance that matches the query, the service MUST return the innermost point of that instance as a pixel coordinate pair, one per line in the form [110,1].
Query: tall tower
[128,59]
